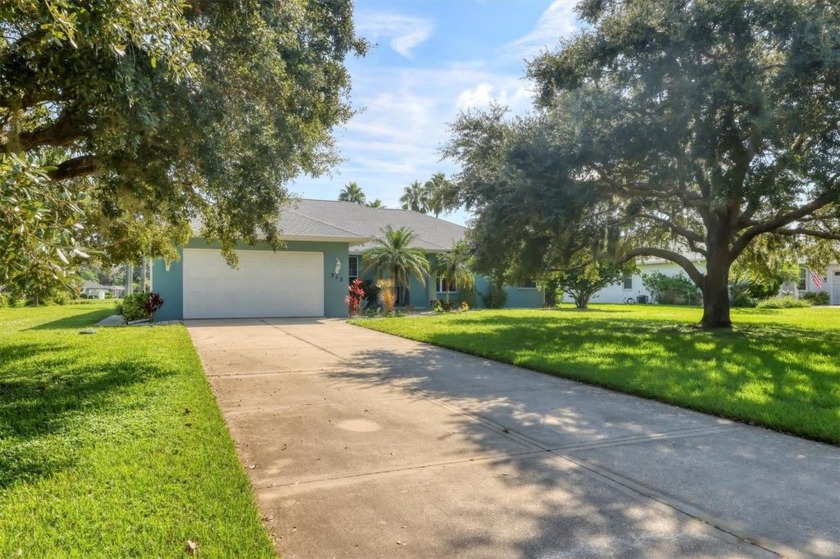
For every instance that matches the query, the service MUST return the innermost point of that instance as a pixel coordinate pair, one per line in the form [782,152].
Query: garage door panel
[265,284]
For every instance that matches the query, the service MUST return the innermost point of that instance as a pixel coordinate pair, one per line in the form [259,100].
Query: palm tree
[352,193]
[441,195]
[375,204]
[395,255]
[414,197]
[455,265]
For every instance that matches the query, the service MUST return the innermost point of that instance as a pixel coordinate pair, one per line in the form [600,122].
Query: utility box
[642,299]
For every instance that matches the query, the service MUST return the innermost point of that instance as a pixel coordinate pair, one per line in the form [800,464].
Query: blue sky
[432,60]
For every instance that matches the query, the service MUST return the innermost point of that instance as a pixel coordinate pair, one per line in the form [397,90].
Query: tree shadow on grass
[76,321]
[766,372]
[45,403]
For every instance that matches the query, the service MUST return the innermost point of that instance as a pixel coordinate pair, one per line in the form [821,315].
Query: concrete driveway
[361,444]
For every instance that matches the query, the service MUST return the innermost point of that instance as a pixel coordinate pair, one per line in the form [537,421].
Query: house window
[528,285]
[803,279]
[628,282]
[444,287]
[353,269]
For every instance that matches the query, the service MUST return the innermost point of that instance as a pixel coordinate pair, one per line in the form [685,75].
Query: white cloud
[478,96]
[515,96]
[403,33]
[397,138]
[558,21]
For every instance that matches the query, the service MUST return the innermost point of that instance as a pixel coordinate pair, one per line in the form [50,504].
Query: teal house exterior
[324,241]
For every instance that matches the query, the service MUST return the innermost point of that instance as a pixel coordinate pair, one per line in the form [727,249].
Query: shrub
[12,299]
[59,297]
[740,294]
[436,305]
[4,301]
[132,307]
[468,295]
[817,297]
[371,311]
[465,306]
[551,288]
[495,297]
[355,294]
[138,306]
[783,303]
[152,304]
[387,295]
[672,290]
[371,294]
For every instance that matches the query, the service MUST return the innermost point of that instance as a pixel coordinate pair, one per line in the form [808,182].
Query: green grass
[777,367]
[111,445]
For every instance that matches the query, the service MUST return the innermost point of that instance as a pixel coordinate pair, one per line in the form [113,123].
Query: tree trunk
[715,286]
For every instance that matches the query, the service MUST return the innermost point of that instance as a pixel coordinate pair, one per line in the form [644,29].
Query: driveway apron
[361,444]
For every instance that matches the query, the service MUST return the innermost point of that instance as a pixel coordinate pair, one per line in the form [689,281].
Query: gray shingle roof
[433,234]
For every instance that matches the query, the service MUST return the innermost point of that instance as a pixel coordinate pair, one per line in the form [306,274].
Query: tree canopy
[393,254]
[415,197]
[441,195]
[162,111]
[352,192]
[455,265]
[672,129]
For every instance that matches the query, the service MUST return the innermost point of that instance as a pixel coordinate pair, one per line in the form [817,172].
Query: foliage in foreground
[778,368]
[111,445]
[161,110]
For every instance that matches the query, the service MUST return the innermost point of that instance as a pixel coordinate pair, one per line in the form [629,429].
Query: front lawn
[111,444]
[777,368]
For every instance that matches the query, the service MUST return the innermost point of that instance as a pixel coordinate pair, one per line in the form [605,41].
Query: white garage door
[266,284]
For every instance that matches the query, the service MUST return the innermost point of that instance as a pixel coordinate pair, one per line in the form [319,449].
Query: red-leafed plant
[355,294]
[151,304]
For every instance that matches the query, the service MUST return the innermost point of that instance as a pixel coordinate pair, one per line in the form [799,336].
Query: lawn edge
[636,393]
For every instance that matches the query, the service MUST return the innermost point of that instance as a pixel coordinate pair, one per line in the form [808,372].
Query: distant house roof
[92,285]
[433,234]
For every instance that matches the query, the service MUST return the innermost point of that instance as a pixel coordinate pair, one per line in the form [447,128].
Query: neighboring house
[93,289]
[633,287]
[324,241]
[829,278]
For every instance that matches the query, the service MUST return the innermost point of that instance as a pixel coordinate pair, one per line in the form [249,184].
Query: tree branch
[62,132]
[687,233]
[669,255]
[73,168]
[780,221]
[809,233]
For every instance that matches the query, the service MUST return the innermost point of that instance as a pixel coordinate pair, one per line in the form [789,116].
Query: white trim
[351,240]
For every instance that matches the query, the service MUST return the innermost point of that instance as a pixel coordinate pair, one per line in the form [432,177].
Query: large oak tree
[163,111]
[685,126]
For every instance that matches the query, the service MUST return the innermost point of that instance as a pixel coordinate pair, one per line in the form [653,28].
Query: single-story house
[324,241]
[93,289]
[829,282]
[633,287]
